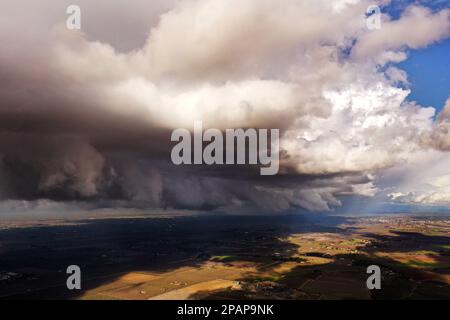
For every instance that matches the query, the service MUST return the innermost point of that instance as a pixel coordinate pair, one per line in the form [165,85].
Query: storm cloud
[86,116]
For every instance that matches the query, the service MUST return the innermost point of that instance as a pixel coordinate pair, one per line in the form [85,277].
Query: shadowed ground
[217,257]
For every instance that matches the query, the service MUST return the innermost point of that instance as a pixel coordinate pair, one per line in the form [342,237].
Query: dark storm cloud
[86,117]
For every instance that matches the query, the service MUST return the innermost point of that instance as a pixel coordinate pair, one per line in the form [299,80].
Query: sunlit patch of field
[285,267]
[137,278]
[427,260]
[198,290]
[178,284]
[224,258]
[326,246]
[443,247]
[316,261]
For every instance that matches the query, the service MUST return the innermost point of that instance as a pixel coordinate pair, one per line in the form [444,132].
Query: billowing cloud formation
[86,117]
[397,34]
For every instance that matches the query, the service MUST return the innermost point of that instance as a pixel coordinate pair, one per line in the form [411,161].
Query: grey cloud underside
[87,117]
